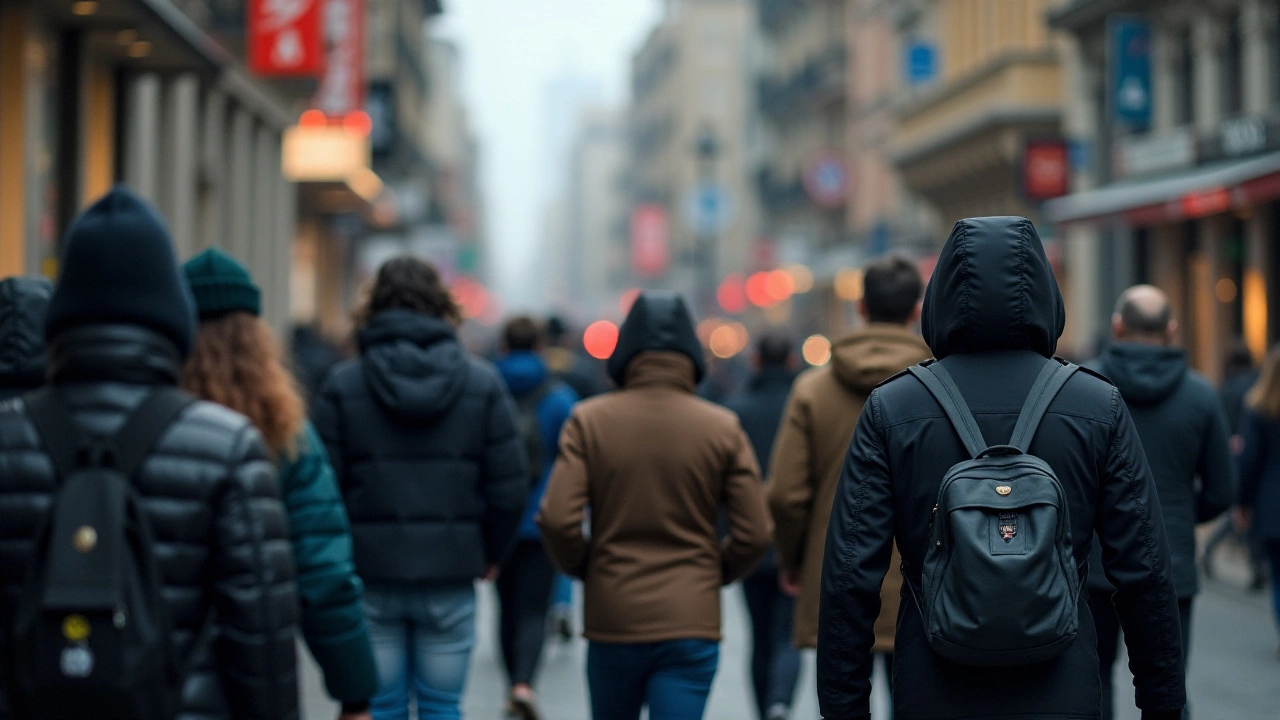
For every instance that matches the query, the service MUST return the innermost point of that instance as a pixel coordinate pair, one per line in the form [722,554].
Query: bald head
[1143,315]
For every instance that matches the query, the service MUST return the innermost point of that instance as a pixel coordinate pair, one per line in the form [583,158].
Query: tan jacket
[651,465]
[809,452]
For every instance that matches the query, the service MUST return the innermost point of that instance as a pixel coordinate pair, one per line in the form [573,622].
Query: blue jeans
[422,638]
[673,678]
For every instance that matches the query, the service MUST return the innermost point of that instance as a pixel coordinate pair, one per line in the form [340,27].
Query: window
[1186,79]
[1233,68]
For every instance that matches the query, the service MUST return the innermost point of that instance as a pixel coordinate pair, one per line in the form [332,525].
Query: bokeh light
[758,289]
[728,340]
[732,293]
[849,284]
[600,339]
[816,350]
[780,286]
[802,277]
[1226,290]
[471,297]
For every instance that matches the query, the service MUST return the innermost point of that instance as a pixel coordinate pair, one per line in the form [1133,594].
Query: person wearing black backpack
[525,583]
[993,468]
[144,551]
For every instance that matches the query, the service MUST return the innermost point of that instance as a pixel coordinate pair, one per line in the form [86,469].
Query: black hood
[993,289]
[24,302]
[1144,374]
[657,321]
[412,363]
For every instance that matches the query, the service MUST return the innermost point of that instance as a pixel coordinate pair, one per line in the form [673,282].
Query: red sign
[342,85]
[650,240]
[285,37]
[827,180]
[1046,170]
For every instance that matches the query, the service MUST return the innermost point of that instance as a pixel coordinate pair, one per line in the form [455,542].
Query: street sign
[650,240]
[1129,57]
[920,60]
[343,83]
[708,209]
[827,180]
[1046,169]
[285,37]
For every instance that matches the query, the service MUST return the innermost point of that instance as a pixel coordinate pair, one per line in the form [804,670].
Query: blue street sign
[1129,60]
[920,60]
[709,208]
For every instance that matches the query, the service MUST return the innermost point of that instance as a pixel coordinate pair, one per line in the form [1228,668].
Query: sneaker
[562,627]
[525,706]
[778,711]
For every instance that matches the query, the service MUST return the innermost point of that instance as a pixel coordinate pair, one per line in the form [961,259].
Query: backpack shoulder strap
[1046,388]
[56,427]
[145,424]
[939,383]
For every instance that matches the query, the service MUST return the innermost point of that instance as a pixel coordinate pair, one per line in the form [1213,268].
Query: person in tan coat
[649,467]
[814,439]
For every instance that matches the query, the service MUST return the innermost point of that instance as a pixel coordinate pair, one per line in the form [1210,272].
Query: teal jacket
[329,591]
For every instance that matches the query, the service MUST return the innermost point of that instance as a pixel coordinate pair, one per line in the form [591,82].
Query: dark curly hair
[407,283]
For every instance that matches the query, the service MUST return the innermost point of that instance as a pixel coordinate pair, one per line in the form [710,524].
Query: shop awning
[1199,192]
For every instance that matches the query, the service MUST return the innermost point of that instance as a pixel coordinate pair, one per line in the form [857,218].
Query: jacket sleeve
[504,477]
[748,514]
[791,483]
[329,591]
[565,501]
[1135,556]
[326,418]
[858,550]
[1217,471]
[1252,459]
[255,604]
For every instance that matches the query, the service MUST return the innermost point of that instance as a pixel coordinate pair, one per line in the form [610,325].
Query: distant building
[595,254]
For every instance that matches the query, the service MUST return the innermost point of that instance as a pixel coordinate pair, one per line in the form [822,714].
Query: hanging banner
[1129,58]
[650,240]
[285,37]
[342,86]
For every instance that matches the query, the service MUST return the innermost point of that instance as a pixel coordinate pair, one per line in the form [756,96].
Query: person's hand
[1241,518]
[356,716]
[491,573]
[790,582]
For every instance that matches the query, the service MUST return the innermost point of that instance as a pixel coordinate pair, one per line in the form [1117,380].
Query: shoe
[525,706]
[778,711]
[562,625]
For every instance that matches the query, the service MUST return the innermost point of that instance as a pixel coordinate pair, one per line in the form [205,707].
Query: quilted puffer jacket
[209,488]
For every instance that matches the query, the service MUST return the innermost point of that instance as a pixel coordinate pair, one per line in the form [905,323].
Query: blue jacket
[329,591]
[1260,474]
[525,374]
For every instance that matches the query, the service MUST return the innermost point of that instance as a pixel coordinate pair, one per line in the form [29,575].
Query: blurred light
[1226,290]
[1255,313]
[366,184]
[140,49]
[732,293]
[758,290]
[358,122]
[492,313]
[471,297]
[780,286]
[627,300]
[706,328]
[849,284]
[126,37]
[816,350]
[599,339]
[802,277]
[86,7]
[312,119]
[728,340]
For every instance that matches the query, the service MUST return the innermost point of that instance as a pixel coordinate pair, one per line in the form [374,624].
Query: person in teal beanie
[237,362]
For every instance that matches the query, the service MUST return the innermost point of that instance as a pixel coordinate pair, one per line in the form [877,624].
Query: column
[1084,265]
[214,161]
[286,217]
[178,176]
[1164,67]
[263,234]
[1208,38]
[142,133]
[240,186]
[1257,19]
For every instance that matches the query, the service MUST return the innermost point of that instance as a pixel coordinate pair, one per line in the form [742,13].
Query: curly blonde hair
[237,362]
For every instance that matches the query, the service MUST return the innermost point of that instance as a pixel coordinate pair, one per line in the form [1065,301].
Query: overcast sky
[512,51]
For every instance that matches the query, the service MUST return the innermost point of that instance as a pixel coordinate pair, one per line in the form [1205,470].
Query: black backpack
[92,636]
[1000,585]
[531,429]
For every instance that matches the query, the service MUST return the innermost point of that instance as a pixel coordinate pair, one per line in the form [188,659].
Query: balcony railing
[819,81]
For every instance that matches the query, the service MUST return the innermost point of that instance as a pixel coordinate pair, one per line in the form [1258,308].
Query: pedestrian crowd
[945,496]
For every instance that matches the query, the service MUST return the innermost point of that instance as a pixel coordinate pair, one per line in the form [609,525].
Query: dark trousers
[775,662]
[673,678]
[1109,632]
[1273,556]
[524,591]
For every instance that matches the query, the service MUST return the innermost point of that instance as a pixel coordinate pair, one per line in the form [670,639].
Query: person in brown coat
[814,439]
[652,465]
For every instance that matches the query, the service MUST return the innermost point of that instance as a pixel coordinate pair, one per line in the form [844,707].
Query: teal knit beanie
[221,285]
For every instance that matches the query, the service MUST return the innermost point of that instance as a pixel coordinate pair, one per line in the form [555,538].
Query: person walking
[1258,504]
[1001,630]
[656,465]
[814,439]
[775,661]
[424,444]
[525,582]
[119,326]
[1183,430]
[238,363]
[23,355]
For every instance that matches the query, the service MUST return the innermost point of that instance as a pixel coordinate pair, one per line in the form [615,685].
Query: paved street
[1235,674]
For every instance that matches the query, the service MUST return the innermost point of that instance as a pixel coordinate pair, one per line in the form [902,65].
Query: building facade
[594,253]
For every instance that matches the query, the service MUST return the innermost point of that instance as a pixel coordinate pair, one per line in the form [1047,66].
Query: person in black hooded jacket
[992,316]
[423,440]
[23,304]
[1184,433]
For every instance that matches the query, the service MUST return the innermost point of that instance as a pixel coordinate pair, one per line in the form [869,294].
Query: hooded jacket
[993,315]
[1184,432]
[23,304]
[656,464]
[810,450]
[423,440]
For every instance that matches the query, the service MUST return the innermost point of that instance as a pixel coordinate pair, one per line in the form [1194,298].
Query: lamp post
[707,149]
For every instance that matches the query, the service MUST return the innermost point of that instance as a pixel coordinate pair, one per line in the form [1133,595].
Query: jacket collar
[113,353]
[661,369]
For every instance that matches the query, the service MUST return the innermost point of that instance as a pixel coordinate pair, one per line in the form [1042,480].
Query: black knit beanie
[221,285]
[118,267]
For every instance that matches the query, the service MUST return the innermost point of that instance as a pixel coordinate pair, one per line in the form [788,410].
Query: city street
[1234,668]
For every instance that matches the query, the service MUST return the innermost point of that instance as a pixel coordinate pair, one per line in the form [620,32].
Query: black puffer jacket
[1184,432]
[210,490]
[24,301]
[423,439]
[992,315]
